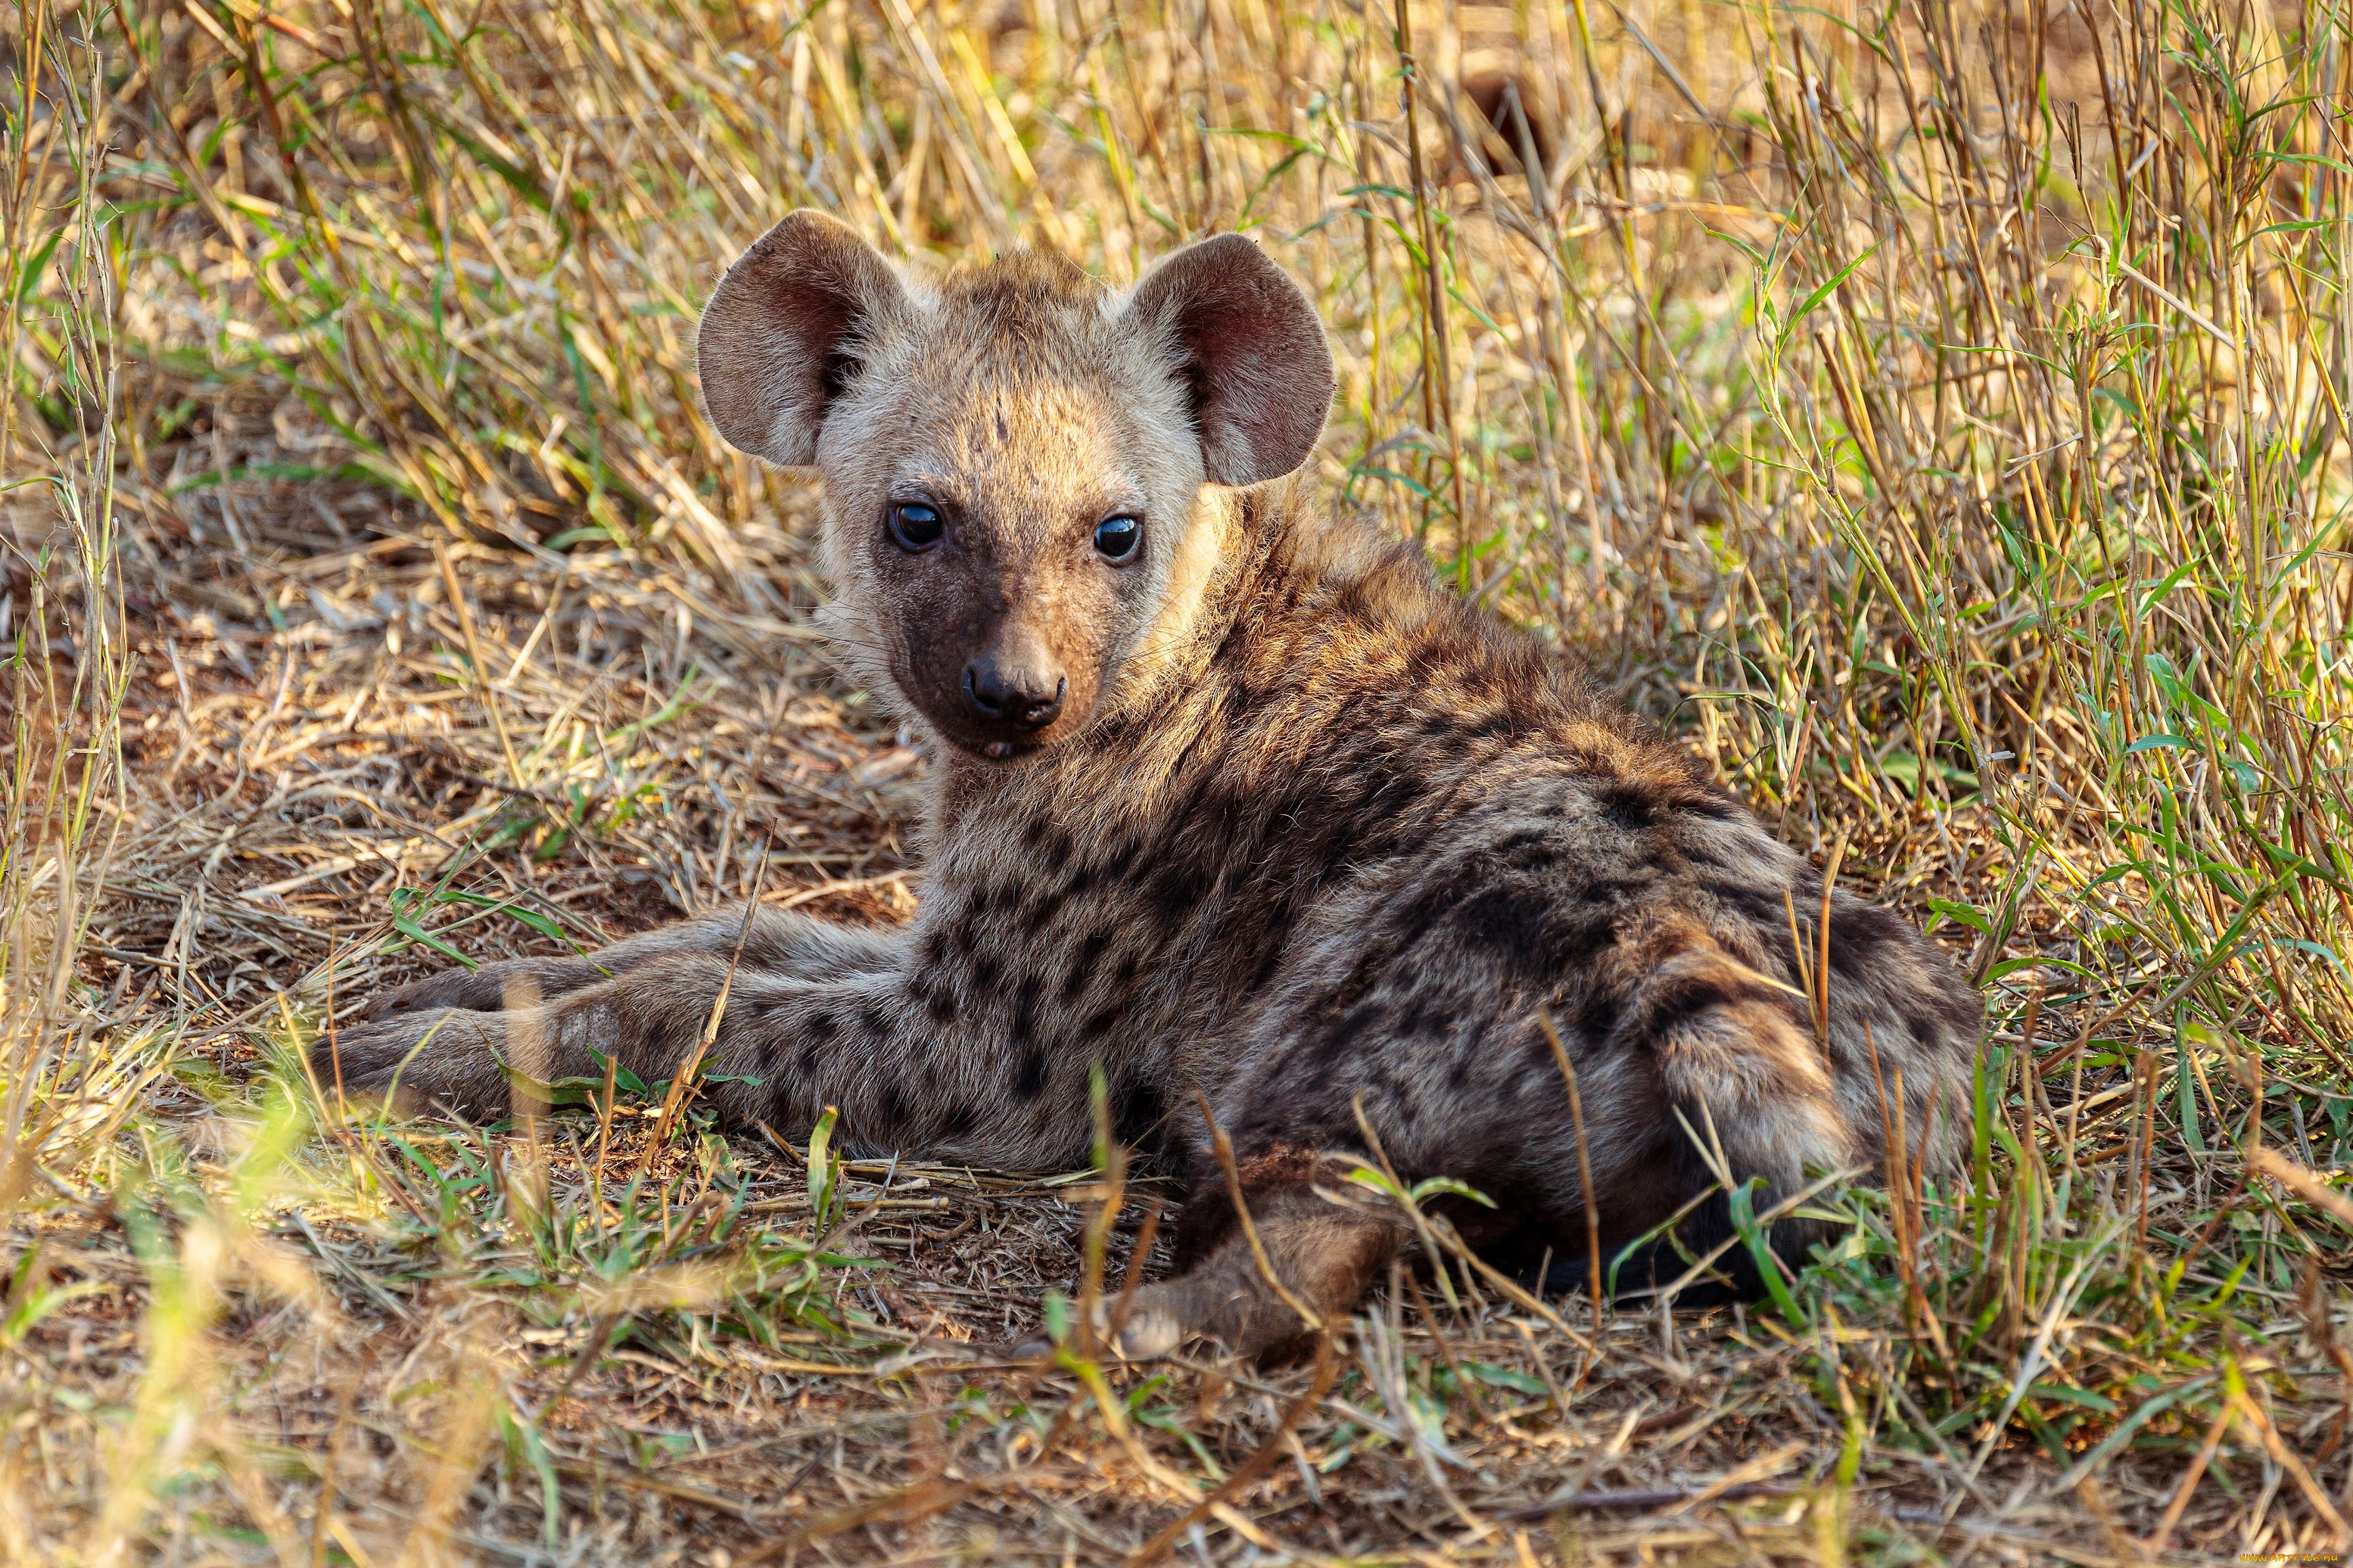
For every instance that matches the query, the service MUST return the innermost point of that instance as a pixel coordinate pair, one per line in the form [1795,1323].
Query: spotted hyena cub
[1232,802]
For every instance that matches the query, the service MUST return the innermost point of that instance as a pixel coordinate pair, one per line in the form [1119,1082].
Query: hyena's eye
[1117,537]
[915,527]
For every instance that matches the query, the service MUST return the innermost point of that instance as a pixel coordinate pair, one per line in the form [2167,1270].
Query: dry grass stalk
[1936,415]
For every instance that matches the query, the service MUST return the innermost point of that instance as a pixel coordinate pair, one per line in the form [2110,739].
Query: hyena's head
[1015,459]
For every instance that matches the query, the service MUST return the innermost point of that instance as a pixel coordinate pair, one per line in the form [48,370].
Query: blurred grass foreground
[1934,412]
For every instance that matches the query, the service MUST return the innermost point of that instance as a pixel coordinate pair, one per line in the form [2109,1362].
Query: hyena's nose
[1027,693]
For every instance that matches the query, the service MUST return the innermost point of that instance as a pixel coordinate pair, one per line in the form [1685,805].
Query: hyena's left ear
[785,330]
[1251,351]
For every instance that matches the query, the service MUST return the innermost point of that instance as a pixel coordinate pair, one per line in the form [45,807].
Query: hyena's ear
[782,332]
[1251,350]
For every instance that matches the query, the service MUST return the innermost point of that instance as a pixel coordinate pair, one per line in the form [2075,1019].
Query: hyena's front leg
[776,942]
[774,1025]
[869,1041]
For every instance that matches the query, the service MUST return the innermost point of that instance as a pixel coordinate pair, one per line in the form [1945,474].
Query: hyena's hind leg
[1739,1057]
[1322,1255]
[778,942]
[1749,1092]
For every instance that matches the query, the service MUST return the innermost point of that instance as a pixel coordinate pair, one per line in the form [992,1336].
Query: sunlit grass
[1935,416]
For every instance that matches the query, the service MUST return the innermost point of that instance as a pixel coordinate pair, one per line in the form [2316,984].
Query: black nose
[1027,694]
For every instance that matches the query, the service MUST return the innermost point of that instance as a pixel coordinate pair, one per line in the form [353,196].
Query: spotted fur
[1310,838]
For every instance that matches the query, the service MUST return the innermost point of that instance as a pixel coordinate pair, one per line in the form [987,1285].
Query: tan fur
[1308,833]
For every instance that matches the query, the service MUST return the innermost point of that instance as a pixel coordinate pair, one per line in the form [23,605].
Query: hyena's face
[1013,460]
[1010,486]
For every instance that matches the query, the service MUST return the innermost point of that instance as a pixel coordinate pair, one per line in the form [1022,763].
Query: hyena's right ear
[782,332]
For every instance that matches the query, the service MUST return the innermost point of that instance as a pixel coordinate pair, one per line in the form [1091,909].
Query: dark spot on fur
[1029,1075]
[1269,965]
[1699,859]
[1492,726]
[1082,966]
[1759,905]
[1527,925]
[1136,1109]
[1100,1022]
[1711,804]
[1525,854]
[958,1117]
[1360,1021]
[1184,880]
[1595,1014]
[1614,889]
[1119,859]
[818,1027]
[1860,935]
[1628,810]
[1671,1003]
[1412,921]
[939,1001]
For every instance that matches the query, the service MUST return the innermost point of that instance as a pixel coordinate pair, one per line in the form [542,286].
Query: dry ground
[1937,416]
[391,1311]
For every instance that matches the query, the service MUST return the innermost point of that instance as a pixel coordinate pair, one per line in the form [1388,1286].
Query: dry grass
[1935,413]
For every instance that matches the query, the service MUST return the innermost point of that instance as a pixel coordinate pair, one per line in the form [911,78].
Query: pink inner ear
[823,306]
[1256,362]
[774,344]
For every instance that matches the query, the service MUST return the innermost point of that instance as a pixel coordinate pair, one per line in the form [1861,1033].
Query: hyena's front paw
[492,988]
[445,1060]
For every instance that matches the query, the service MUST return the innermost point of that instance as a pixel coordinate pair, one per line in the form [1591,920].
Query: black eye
[915,527]
[1117,537]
